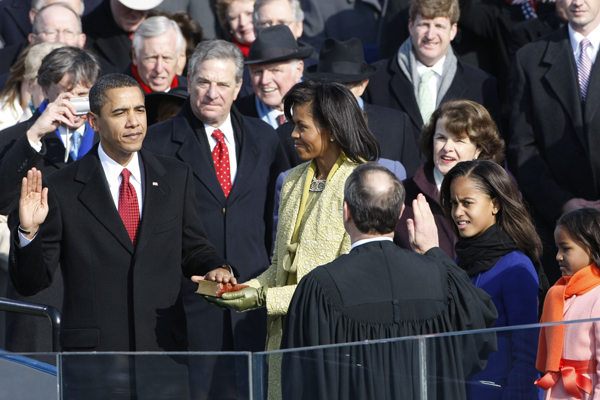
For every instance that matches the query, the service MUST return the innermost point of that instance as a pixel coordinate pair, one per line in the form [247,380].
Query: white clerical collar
[375,239]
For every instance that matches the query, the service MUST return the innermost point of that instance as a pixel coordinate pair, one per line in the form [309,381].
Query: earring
[331,140]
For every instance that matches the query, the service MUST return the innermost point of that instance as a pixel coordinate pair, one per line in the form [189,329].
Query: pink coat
[581,341]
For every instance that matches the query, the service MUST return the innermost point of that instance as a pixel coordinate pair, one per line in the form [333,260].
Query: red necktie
[128,206]
[281,119]
[221,159]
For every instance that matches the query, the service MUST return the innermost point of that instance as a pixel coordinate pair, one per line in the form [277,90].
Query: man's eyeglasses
[52,35]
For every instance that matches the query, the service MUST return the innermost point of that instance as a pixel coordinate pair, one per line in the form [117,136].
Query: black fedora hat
[277,43]
[177,95]
[341,61]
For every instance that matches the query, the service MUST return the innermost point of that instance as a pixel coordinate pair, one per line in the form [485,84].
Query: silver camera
[82,105]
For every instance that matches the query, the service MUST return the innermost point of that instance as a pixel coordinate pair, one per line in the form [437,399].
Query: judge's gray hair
[153,27]
[375,209]
[220,50]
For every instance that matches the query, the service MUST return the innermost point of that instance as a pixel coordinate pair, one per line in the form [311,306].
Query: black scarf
[480,253]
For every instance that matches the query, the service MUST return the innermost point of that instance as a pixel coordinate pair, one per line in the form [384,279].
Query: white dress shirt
[593,37]
[112,171]
[375,239]
[434,82]
[65,137]
[227,130]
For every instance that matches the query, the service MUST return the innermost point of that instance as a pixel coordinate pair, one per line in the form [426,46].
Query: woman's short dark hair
[512,216]
[334,107]
[583,227]
[465,118]
[374,211]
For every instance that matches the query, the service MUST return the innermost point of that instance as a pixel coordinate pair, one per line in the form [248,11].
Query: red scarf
[145,87]
[245,48]
[550,348]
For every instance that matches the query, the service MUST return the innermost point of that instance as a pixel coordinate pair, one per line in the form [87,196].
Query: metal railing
[38,310]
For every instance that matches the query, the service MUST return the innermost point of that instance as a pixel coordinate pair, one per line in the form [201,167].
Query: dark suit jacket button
[224,210]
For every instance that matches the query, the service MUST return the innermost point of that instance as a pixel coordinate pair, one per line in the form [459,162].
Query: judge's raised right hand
[33,206]
[422,231]
[60,111]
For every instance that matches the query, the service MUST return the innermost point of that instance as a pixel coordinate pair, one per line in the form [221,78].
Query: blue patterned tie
[75,143]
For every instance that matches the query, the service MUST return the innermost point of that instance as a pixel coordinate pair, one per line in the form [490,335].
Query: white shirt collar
[65,136]
[113,169]
[375,239]
[576,38]
[438,67]
[227,130]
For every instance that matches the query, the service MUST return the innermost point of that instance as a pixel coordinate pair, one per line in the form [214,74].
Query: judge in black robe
[381,291]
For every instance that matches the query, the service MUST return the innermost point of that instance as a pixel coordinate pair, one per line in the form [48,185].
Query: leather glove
[243,300]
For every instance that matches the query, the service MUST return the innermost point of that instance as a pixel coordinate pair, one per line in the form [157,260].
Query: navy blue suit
[239,226]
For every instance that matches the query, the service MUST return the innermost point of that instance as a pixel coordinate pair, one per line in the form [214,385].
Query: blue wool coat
[513,284]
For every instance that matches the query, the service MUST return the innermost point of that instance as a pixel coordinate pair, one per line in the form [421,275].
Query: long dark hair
[583,227]
[512,216]
[334,107]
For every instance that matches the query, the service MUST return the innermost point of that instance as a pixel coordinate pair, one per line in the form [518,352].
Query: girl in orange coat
[570,353]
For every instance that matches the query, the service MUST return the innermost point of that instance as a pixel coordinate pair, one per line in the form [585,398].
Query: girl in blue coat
[497,247]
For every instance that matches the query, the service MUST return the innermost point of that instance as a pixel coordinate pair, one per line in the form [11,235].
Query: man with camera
[56,135]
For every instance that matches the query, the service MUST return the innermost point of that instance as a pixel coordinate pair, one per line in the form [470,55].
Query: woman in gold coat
[332,136]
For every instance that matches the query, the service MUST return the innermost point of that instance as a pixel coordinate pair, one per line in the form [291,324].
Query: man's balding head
[37,5]
[374,197]
[57,22]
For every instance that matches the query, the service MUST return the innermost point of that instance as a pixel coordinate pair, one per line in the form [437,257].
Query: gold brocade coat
[322,240]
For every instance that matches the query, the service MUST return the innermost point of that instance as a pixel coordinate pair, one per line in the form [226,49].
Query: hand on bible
[243,300]
[422,231]
[33,206]
[219,274]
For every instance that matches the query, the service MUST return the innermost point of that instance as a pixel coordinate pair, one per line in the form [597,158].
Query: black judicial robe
[380,291]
